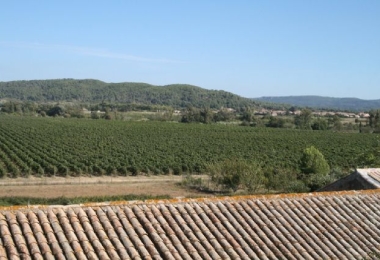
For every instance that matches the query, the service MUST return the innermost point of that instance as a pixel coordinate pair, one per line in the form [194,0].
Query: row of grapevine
[56,146]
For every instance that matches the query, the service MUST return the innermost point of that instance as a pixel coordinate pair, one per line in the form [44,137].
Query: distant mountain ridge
[90,90]
[351,104]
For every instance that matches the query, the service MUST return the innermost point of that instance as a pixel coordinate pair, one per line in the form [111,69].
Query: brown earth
[51,187]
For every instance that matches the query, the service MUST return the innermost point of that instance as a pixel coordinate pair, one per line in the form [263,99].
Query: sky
[251,48]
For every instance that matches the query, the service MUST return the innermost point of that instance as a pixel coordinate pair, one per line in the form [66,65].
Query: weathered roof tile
[340,225]
[124,238]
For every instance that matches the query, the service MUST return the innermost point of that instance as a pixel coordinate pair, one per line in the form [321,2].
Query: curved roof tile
[338,225]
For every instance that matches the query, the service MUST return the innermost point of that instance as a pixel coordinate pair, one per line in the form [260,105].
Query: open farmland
[89,187]
[73,147]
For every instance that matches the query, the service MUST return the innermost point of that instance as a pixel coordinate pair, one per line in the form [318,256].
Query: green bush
[12,201]
[316,181]
[232,174]
[278,179]
[297,186]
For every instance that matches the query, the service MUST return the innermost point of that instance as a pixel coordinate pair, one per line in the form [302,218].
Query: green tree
[190,115]
[284,180]
[56,111]
[247,115]
[205,115]
[94,115]
[223,115]
[374,120]
[304,119]
[319,124]
[335,123]
[276,122]
[313,162]
[317,181]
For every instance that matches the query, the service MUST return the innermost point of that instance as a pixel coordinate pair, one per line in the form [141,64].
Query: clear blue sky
[251,48]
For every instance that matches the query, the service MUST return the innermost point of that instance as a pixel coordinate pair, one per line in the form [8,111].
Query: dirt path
[88,180]
[95,186]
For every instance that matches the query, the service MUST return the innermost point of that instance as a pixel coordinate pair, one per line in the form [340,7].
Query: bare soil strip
[87,180]
[95,186]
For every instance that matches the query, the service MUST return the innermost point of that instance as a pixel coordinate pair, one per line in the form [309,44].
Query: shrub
[234,174]
[316,181]
[279,179]
[296,186]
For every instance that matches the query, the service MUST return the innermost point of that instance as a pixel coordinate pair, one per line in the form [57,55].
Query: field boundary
[35,181]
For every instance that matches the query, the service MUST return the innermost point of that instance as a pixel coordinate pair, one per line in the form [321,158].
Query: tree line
[246,116]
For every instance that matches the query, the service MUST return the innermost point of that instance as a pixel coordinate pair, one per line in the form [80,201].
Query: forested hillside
[178,95]
[352,104]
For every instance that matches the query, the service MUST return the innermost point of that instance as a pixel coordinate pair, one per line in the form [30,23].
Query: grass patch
[18,201]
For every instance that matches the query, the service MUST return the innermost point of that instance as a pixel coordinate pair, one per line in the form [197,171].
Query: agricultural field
[76,147]
[58,190]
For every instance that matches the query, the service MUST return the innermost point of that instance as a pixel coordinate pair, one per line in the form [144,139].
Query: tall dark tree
[247,114]
[319,124]
[374,120]
[304,119]
[205,115]
[55,111]
[190,115]
[336,123]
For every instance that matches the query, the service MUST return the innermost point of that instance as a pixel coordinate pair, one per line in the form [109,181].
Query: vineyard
[58,146]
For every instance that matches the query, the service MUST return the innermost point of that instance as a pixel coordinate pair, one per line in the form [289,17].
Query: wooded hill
[351,104]
[95,91]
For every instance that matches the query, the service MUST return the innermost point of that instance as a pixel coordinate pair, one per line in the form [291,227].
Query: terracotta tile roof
[361,179]
[339,225]
[374,173]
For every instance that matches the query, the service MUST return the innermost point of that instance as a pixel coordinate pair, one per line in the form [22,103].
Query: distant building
[364,115]
[361,179]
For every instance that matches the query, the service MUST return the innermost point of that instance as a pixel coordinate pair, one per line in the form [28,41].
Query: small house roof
[372,175]
[361,179]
